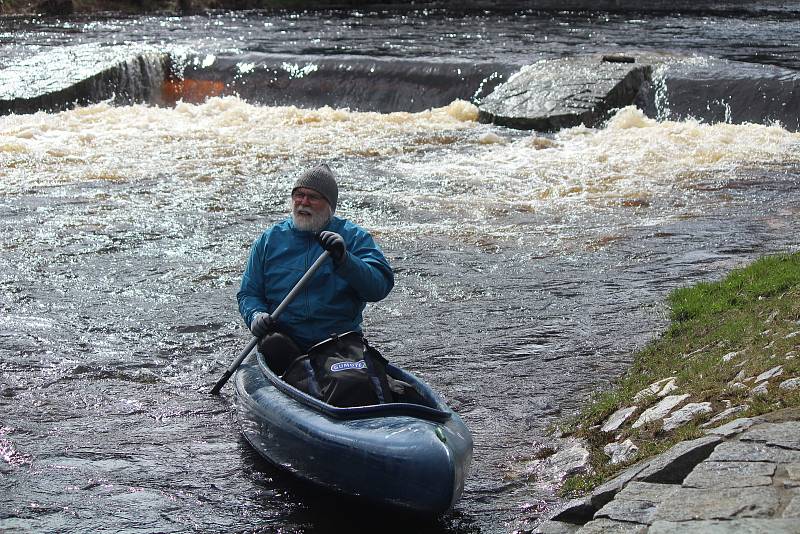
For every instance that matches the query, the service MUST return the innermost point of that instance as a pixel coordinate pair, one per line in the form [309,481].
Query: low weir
[546,96]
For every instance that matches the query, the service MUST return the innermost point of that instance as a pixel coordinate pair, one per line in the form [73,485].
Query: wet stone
[736,526]
[688,504]
[562,93]
[786,435]
[730,474]
[748,451]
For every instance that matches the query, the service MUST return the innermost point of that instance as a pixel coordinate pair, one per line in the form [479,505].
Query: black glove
[262,325]
[333,243]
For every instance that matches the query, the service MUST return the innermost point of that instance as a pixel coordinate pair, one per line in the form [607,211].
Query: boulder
[771,373]
[561,93]
[790,385]
[724,414]
[621,453]
[685,414]
[660,410]
[660,388]
[616,419]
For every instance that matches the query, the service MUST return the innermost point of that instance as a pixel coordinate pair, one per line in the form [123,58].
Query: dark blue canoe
[401,455]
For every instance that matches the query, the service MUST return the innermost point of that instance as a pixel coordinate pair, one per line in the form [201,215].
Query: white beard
[306,219]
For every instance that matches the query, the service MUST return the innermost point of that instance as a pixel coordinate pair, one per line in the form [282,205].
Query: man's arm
[251,292]
[366,269]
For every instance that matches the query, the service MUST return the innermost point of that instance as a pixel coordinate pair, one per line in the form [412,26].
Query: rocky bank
[743,476]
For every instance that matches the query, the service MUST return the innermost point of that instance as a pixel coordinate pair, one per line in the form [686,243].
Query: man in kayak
[333,301]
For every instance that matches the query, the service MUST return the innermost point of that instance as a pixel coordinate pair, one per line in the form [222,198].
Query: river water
[528,267]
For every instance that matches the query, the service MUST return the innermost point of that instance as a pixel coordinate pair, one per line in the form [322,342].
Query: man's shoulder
[346,226]
[278,228]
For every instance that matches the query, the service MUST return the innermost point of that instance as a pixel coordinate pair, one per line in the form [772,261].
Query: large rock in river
[561,93]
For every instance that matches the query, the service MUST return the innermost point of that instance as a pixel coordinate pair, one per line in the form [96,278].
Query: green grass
[751,312]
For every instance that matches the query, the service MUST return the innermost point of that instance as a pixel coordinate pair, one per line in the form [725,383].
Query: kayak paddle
[274,315]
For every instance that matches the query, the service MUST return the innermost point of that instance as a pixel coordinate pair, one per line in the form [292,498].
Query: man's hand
[262,325]
[333,243]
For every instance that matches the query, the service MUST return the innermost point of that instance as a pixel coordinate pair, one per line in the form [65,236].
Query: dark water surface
[528,268]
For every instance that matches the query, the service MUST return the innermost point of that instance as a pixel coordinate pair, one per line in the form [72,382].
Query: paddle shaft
[274,315]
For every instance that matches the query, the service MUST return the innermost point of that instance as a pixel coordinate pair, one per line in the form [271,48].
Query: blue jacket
[333,300]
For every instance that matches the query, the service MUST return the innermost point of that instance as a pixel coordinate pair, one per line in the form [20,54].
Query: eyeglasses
[302,195]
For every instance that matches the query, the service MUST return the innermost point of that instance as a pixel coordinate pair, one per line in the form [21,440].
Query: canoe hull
[396,460]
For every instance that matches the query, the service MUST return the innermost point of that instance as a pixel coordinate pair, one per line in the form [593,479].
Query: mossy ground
[754,312]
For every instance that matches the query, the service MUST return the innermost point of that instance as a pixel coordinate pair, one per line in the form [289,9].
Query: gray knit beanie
[322,180]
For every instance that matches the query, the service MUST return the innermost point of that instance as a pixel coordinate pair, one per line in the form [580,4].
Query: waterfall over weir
[83,74]
[64,77]
[355,82]
[562,93]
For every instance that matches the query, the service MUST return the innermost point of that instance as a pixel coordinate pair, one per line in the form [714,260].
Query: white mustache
[303,211]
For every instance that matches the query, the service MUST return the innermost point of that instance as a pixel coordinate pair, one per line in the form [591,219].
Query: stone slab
[737,426]
[793,508]
[556,527]
[690,504]
[574,511]
[724,415]
[608,490]
[660,410]
[672,466]
[710,474]
[636,503]
[736,526]
[646,491]
[632,511]
[685,414]
[785,435]
[616,419]
[749,451]
[609,526]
